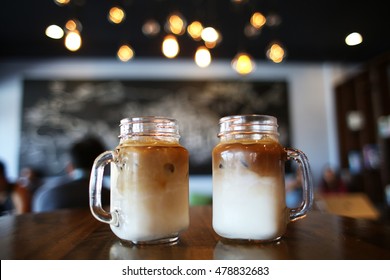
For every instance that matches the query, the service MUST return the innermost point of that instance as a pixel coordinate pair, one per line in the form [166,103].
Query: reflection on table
[75,234]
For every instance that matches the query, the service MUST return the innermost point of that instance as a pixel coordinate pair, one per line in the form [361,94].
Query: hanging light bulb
[116,15]
[273,20]
[125,53]
[73,40]
[258,20]
[62,2]
[353,39]
[195,30]
[276,52]
[151,28]
[73,25]
[54,32]
[243,63]
[209,34]
[202,57]
[176,24]
[211,37]
[170,46]
[250,31]
[238,2]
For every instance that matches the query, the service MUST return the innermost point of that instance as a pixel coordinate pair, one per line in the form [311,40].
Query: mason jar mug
[249,180]
[149,182]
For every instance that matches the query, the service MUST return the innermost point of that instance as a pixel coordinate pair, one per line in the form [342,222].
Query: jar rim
[248,124]
[265,119]
[149,126]
[147,119]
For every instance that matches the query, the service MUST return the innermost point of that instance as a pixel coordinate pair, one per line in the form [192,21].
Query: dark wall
[56,113]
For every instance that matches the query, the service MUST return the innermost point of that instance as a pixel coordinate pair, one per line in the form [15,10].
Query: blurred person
[72,190]
[31,178]
[331,182]
[13,198]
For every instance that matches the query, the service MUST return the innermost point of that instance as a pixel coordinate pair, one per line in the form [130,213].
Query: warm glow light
[170,46]
[243,63]
[195,30]
[54,32]
[273,20]
[125,53]
[210,45]
[202,57]
[151,28]
[250,31]
[209,34]
[258,20]
[353,39]
[73,41]
[73,25]
[238,2]
[276,53]
[176,24]
[62,2]
[116,15]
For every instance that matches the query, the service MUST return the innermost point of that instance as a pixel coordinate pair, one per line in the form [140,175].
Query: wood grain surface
[75,234]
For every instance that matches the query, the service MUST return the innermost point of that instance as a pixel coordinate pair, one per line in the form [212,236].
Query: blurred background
[322,67]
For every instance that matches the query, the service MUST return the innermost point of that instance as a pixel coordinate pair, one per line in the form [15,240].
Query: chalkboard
[58,112]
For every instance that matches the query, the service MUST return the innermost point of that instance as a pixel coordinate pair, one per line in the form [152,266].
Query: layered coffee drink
[151,190]
[248,180]
[149,182]
[248,190]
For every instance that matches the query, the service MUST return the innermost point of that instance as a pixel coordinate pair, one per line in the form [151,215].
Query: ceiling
[311,31]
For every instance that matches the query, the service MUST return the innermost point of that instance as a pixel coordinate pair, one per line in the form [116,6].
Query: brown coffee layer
[265,157]
[156,166]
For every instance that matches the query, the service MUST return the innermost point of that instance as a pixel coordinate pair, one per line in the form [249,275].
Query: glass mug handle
[303,162]
[95,190]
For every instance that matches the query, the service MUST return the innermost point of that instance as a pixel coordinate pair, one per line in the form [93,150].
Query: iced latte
[248,188]
[150,190]
[248,180]
[149,182]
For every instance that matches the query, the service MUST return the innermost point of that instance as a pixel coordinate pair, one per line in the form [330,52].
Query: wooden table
[75,234]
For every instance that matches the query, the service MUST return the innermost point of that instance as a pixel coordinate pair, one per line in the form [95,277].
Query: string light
[353,39]
[176,25]
[273,20]
[170,46]
[238,2]
[202,57]
[116,15]
[151,28]
[73,40]
[251,32]
[195,30]
[125,53]
[243,63]
[276,52]
[54,32]
[258,20]
[210,35]
[73,25]
[62,2]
